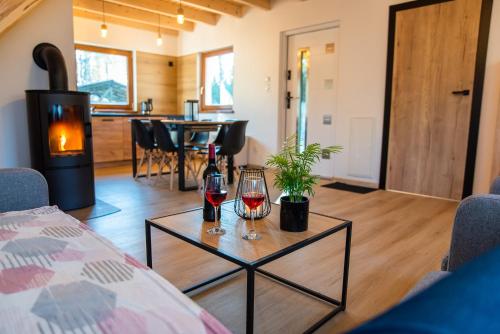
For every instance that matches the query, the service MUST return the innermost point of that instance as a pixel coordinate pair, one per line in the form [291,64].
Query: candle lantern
[239,206]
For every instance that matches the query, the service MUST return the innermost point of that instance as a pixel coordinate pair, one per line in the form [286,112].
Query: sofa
[464,297]
[476,230]
[57,276]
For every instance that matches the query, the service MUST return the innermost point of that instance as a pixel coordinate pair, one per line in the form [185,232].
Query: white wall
[491,107]
[362,63]
[52,22]
[256,41]
[120,37]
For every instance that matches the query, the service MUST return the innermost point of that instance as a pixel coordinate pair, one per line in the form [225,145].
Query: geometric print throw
[57,276]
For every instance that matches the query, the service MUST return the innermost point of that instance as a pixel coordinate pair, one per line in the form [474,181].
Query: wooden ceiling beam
[13,10]
[263,4]
[169,8]
[123,22]
[131,14]
[217,6]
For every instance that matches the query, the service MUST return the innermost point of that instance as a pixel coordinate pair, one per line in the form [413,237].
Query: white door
[312,91]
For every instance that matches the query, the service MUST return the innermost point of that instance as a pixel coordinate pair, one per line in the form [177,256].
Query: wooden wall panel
[187,83]
[157,80]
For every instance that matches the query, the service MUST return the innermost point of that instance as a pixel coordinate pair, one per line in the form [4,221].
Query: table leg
[250,299]
[347,255]
[181,157]
[134,151]
[149,255]
[230,169]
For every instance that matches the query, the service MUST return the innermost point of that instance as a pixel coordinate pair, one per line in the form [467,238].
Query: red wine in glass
[216,197]
[253,199]
[253,189]
[215,193]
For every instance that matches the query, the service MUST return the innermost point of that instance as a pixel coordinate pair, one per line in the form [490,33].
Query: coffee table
[251,255]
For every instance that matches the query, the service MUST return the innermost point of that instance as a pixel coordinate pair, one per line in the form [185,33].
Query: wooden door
[433,73]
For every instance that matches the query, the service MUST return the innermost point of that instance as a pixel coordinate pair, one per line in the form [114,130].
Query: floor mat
[349,187]
[100,209]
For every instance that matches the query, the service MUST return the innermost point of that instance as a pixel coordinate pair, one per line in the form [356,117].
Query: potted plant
[293,177]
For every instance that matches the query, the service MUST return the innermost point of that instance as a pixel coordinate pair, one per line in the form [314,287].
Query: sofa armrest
[476,229]
[22,189]
[445,262]
[495,187]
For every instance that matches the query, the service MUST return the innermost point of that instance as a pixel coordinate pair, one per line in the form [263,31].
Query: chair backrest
[22,189]
[476,229]
[162,136]
[143,136]
[200,138]
[234,139]
[219,139]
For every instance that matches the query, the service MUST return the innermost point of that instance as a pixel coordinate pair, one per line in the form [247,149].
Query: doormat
[349,187]
[100,209]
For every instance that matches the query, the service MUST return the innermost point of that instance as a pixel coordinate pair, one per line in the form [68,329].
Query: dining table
[181,126]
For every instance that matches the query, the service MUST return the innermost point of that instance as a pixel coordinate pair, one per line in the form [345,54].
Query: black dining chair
[168,151]
[145,139]
[232,144]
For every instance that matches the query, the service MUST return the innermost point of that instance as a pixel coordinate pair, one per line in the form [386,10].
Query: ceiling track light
[180,13]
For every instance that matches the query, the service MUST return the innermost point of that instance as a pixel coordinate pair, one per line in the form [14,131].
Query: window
[107,75]
[217,74]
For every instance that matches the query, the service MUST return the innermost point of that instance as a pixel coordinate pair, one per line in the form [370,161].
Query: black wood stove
[61,134]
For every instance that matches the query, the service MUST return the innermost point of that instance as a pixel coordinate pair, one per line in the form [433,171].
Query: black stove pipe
[48,57]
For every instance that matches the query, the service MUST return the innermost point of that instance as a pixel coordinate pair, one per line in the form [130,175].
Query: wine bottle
[208,209]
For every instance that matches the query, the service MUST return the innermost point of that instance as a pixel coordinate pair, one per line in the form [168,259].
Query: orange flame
[66,138]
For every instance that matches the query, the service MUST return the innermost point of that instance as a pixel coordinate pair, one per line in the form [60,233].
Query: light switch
[327,119]
[328,84]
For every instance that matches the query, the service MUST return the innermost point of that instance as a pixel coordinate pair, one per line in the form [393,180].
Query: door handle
[289,98]
[465,92]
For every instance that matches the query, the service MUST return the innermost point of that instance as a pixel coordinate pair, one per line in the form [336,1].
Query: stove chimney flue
[48,57]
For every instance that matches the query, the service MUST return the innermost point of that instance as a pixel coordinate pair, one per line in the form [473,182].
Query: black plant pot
[294,215]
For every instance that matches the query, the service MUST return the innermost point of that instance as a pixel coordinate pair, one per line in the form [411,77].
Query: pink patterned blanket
[57,276]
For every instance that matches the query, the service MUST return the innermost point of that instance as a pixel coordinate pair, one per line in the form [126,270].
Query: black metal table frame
[254,267]
[181,156]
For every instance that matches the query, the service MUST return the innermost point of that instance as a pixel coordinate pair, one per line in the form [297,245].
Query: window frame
[130,75]
[210,108]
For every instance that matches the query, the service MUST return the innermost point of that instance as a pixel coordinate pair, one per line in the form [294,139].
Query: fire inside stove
[66,134]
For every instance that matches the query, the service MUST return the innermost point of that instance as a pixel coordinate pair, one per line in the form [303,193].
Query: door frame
[283,80]
[477,90]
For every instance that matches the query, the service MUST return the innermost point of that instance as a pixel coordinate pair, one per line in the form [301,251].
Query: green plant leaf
[293,168]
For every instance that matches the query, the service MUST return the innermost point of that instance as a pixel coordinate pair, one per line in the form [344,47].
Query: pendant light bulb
[180,14]
[159,40]
[104,27]
[104,30]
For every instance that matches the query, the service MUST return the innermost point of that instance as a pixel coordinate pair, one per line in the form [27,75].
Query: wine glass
[216,193]
[253,195]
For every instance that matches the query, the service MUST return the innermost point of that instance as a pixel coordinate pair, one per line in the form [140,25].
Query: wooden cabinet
[107,137]
[112,138]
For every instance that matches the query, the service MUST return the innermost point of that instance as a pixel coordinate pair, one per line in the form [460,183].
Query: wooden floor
[397,239]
